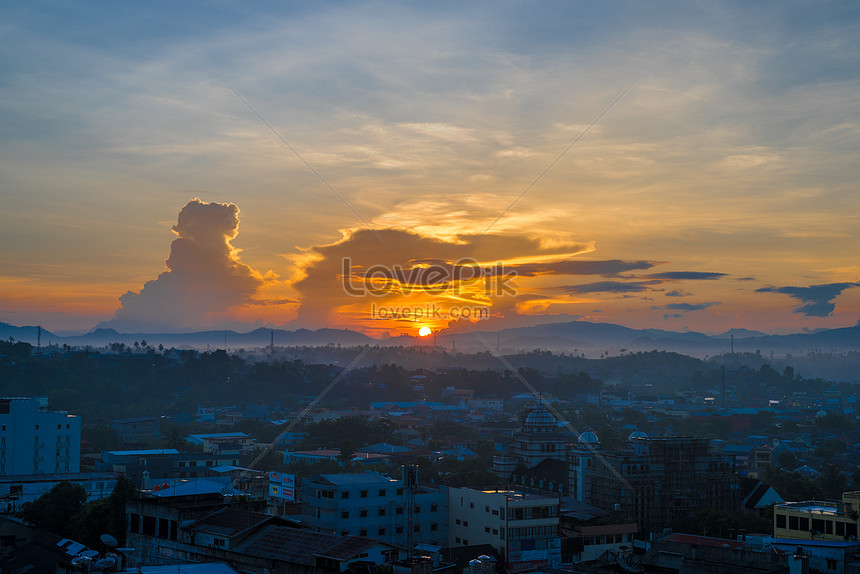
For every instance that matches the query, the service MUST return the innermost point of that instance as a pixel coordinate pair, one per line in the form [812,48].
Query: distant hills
[578,337]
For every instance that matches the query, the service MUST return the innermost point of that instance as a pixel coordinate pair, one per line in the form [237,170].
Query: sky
[382,166]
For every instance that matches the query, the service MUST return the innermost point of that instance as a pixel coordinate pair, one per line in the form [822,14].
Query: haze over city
[672,165]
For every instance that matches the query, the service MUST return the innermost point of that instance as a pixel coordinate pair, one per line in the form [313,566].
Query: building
[143,467]
[223,442]
[16,490]
[657,480]
[137,431]
[209,527]
[523,528]
[34,440]
[814,520]
[374,505]
[539,439]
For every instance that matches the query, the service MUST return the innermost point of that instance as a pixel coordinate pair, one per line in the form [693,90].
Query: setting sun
[424,331]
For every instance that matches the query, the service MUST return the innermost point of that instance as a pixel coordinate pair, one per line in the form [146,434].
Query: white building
[34,440]
[523,528]
[374,505]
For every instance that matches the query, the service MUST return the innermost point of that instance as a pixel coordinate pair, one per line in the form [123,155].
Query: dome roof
[637,434]
[588,437]
[540,419]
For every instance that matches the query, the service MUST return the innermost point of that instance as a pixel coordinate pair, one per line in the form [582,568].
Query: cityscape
[441,288]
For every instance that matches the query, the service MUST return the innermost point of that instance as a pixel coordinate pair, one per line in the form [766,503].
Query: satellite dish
[89,553]
[80,560]
[109,540]
[105,563]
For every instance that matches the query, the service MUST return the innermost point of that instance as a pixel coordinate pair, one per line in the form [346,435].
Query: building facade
[523,528]
[374,505]
[815,520]
[34,440]
[657,480]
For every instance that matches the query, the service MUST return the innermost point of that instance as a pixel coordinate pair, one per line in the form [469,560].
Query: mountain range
[576,337]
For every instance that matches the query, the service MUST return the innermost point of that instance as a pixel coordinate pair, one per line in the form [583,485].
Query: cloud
[817,299]
[204,281]
[686,275]
[677,293]
[610,287]
[688,306]
[570,267]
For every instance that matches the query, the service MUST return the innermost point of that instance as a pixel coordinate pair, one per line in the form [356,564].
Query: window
[399,530]
[363,512]
[434,507]
[458,521]
[832,564]
[363,494]
[465,523]
[487,529]
[398,510]
[471,505]
[362,532]
[458,540]
[344,513]
[381,511]
[344,494]
[381,492]
[417,528]
[433,526]
[399,492]
[417,508]
[780,520]
[220,542]
[792,523]
[381,531]
[465,542]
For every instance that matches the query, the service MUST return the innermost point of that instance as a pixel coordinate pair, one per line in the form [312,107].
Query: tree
[833,482]
[787,460]
[105,516]
[55,510]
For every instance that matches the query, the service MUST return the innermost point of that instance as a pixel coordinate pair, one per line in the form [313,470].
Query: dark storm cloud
[817,299]
[686,275]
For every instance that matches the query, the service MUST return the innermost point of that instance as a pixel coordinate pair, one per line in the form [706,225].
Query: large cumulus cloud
[204,281]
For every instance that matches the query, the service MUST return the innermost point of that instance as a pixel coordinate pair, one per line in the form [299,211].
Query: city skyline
[711,182]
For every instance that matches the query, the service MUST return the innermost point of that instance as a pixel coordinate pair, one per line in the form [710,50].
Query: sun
[424,331]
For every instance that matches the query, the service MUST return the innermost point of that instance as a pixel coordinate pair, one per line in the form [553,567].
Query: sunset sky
[718,188]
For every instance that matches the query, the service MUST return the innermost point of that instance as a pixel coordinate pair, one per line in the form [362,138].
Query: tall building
[524,528]
[657,480]
[539,439]
[34,440]
[373,505]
